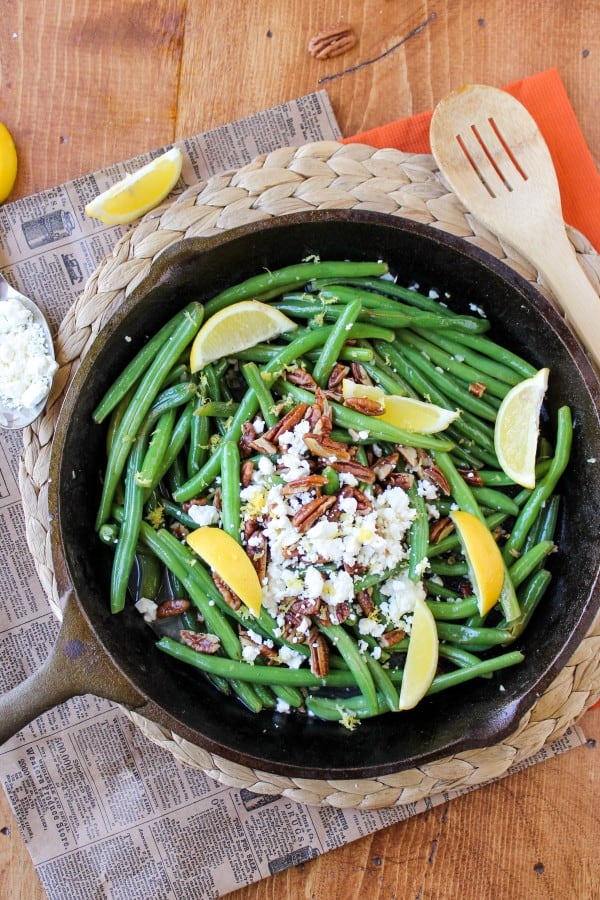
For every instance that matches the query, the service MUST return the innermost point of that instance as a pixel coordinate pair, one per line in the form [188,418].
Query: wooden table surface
[86,83]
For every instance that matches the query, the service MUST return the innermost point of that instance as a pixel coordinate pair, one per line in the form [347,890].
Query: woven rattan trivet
[323,175]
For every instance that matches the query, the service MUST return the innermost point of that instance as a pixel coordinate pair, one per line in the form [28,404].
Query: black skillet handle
[77,665]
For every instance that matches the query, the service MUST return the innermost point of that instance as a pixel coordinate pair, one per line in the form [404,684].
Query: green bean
[419,536]
[383,683]
[529,598]
[179,437]
[378,430]
[486,365]
[500,354]
[459,656]
[460,370]
[523,567]
[271,284]
[134,370]
[346,646]
[451,611]
[108,534]
[230,490]
[497,478]
[141,402]
[149,574]
[129,531]
[198,443]
[217,409]
[263,394]
[388,288]
[146,477]
[466,637]
[176,512]
[241,671]
[496,500]
[543,490]
[115,419]
[332,346]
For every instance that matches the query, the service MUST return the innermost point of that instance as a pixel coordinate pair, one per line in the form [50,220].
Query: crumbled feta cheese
[281,706]
[26,365]
[203,514]
[291,658]
[147,608]
[402,594]
[370,626]
[427,489]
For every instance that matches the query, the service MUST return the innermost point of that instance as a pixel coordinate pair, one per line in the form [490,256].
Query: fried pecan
[229,596]
[365,406]
[440,529]
[306,483]
[289,421]
[435,474]
[384,466]
[250,526]
[404,480]
[478,388]
[319,654]
[247,436]
[351,467]
[363,503]
[319,418]
[471,476]
[200,641]
[333,40]
[359,374]
[339,613]
[389,638]
[302,378]
[307,606]
[306,517]
[246,472]
[257,552]
[354,568]
[365,601]
[338,373]
[173,607]
[262,445]
[323,446]
[178,530]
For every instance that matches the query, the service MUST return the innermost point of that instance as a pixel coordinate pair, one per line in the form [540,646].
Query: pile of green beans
[173,436]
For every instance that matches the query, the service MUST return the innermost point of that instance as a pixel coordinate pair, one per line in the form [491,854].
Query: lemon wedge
[517,428]
[228,559]
[139,191]
[421,658]
[236,328]
[483,557]
[8,162]
[402,412]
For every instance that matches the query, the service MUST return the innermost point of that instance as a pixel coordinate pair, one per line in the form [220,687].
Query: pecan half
[363,503]
[384,466]
[333,40]
[199,641]
[246,472]
[306,517]
[319,654]
[257,552]
[289,421]
[478,388]
[303,484]
[389,638]
[324,446]
[359,374]
[263,445]
[365,601]
[471,476]
[230,598]
[365,405]
[436,475]
[302,378]
[360,472]
[404,480]
[439,529]
[173,607]
[338,373]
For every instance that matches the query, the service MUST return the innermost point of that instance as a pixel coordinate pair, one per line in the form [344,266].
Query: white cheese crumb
[203,514]
[147,608]
[291,658]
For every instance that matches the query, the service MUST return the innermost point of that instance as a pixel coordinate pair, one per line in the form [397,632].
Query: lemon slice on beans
[234,328]
[8,162]
[227,558]
[138,192]
[421,658]
[402,412]
[483,557]
[517,428]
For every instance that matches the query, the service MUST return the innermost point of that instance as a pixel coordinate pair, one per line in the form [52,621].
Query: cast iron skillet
[115,657]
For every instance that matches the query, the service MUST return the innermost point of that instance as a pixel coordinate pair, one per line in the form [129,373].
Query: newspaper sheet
[105,812]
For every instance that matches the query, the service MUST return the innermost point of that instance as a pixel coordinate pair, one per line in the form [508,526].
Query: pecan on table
[333,40]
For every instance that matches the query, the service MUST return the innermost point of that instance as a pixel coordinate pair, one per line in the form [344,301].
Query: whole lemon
[8,162]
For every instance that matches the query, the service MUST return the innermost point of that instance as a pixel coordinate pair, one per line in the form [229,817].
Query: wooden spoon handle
[580,303]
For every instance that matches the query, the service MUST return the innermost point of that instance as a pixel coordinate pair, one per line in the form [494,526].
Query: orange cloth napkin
[545,97]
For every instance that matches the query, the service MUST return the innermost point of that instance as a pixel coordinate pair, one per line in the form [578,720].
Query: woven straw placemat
[324,175]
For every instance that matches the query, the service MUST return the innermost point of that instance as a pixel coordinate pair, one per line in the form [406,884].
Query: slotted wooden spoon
[496,161]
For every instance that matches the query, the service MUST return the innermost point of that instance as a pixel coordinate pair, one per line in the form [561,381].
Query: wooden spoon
[496,161]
